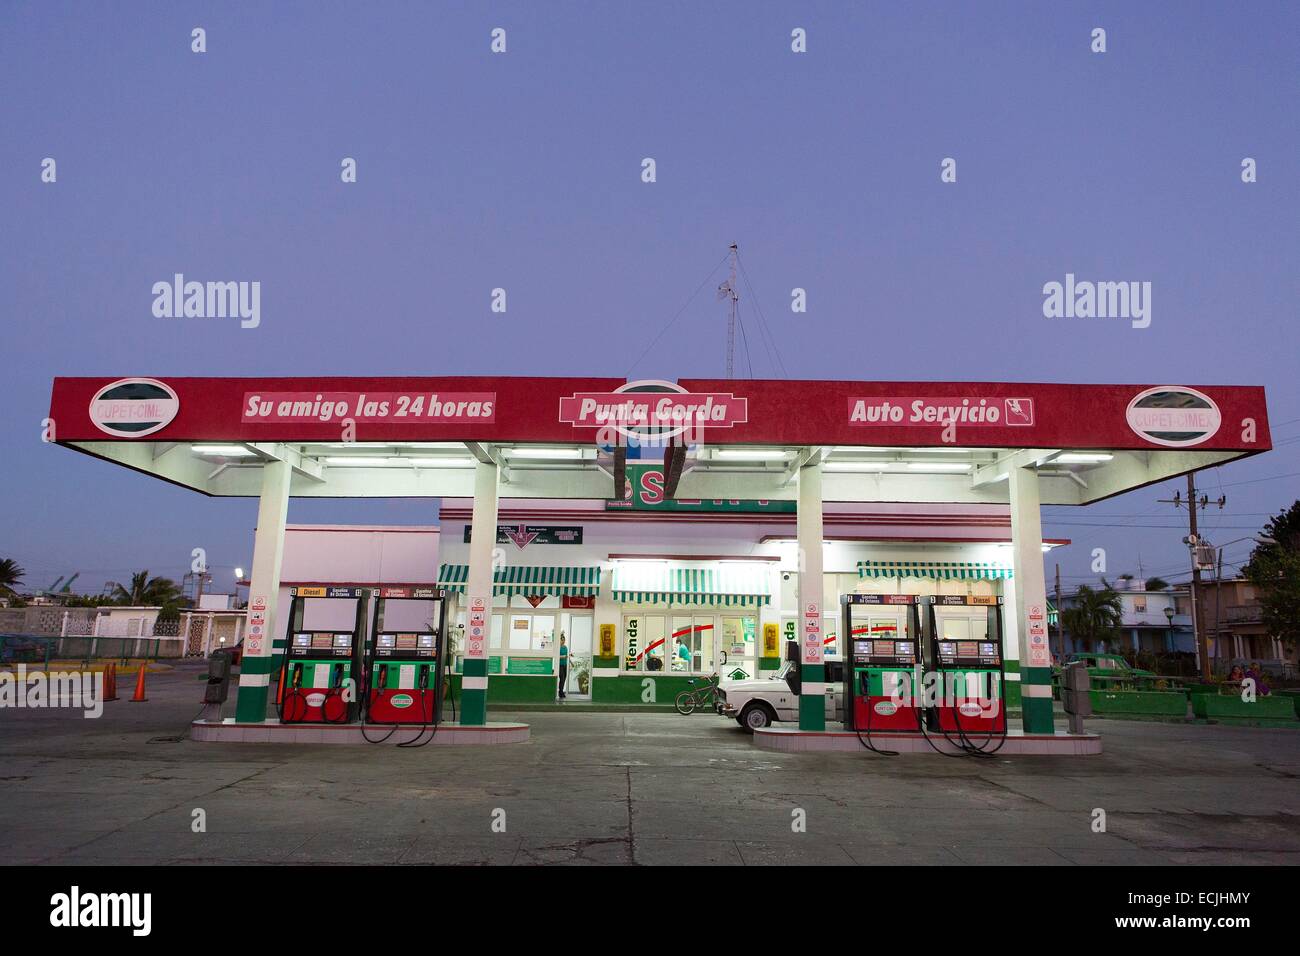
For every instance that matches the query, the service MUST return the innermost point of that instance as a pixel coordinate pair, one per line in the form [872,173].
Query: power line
[775,351]
[676,316]
[1251,481]
[744,342]
[1129,524]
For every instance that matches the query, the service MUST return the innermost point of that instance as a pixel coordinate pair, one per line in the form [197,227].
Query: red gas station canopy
[497,409]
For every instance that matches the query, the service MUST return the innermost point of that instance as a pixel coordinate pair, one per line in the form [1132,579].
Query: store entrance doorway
[737,653]
[577,632]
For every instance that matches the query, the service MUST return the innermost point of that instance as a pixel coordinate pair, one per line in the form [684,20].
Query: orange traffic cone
[110,681]
[138,697]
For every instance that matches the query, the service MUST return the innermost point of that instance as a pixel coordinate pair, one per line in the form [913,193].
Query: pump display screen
[988,650]
[322,642]
[407,646]
[904,648]
[884,648]
[862,648]
[948,648]
[302,640]
[342,640]
[967,649]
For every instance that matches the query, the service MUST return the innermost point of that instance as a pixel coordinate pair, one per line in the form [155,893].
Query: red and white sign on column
[812,634]
[1040,654]
[476,630]
[255,637]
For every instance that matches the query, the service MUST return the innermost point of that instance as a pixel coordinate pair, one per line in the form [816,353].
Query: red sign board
[760,412]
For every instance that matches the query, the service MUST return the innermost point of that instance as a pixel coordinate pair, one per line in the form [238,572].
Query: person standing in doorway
[564,664]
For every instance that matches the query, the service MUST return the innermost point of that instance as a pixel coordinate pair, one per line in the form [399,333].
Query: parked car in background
[1111,670]
[24,649]
[757,702]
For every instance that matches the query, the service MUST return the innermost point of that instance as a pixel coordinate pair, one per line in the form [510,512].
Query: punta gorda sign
[653,407]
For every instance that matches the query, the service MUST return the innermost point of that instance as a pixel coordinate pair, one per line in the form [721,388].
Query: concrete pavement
[628,788]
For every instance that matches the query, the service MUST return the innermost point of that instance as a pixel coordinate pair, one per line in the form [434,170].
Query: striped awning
[517,579]
[728,586]
[941,570]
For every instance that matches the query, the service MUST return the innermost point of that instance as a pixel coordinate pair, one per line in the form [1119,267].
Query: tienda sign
[941,411]
[663,407]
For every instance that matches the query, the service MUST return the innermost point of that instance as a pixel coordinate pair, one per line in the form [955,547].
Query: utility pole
[728,291]
[1197,548]
[1202,642]
[1060,620]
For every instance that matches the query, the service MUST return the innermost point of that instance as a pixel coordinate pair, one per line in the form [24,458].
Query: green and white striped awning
[648,583]
[517,579]
[941,570]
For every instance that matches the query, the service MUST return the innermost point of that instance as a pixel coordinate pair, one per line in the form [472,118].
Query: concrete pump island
[874,549]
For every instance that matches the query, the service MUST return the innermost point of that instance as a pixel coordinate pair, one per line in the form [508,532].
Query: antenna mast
[728,291]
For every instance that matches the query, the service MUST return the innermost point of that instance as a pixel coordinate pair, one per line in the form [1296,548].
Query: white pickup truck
[757,702]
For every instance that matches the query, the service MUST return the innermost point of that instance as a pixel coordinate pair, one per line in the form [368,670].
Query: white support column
[478,594]
[1031,602]
[1012,629]
[263,595]
[812,670]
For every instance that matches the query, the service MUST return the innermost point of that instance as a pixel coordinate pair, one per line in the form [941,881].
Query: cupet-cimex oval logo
[133,407]
[401,701]
[1174,416]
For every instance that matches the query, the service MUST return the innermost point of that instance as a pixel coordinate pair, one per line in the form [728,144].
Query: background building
[1151,621]
[1234,622]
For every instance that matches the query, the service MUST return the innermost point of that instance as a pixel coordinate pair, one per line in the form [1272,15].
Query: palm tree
[10,575]
[1157,584]
[1094,615]
[145,591]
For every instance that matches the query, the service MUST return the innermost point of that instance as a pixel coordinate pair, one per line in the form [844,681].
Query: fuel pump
[405,665]
[320,666]
[963,649]
[881,679]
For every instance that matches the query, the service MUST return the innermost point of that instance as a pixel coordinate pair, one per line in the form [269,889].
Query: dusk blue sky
[522,171]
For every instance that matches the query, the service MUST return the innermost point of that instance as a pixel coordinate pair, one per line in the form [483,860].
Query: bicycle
[697,697]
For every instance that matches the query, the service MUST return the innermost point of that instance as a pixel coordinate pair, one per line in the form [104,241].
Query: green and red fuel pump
[405,666]
[318,679]
[964,648]
[881,658]
[380,674]
[925,665]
